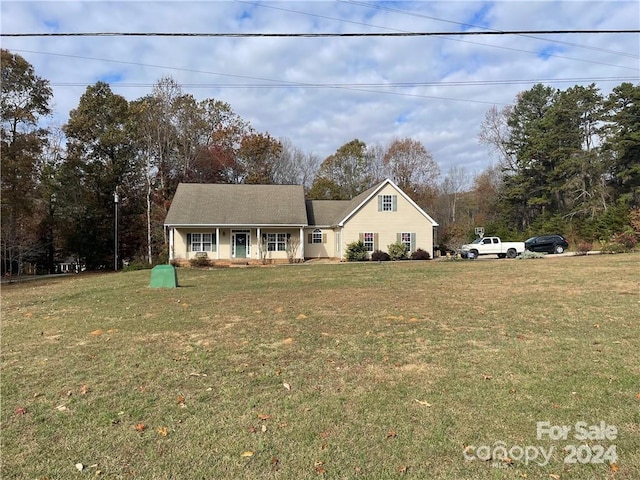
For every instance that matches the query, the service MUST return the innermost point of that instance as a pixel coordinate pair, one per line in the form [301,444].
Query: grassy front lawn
[404,369]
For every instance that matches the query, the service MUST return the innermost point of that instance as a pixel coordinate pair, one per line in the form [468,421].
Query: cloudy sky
[323,92]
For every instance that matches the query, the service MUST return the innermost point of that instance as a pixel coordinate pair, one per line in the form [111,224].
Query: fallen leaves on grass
[264,416]
[163,432]
[486,377]
[61,408]
[140,427]
[20,411]
[392,434]
[287,341]
[275,463]
[286,386]
[422,402]
[555,476]
[302,316]
[403,469]
[195,374]
[96,333]
[319,466]
[614,467]
[180,401]
[247,453]
[83,390]
[638,396]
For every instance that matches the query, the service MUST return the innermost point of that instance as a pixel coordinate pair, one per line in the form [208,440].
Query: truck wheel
[558,248]
[475,253]
[511,253]
[502,255]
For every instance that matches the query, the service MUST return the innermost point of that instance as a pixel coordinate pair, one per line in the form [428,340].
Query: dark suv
[547,243]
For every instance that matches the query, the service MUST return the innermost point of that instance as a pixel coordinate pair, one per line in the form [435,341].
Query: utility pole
[116,200]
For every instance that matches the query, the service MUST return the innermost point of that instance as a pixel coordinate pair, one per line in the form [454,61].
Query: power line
[314,35]
[284,84]
[468,25]
[368,85]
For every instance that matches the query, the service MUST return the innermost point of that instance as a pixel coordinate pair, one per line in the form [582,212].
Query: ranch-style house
[274,223]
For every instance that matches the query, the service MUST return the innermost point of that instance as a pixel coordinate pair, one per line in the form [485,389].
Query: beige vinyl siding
[181,250]
[387,225]
[274,255]
[326,249]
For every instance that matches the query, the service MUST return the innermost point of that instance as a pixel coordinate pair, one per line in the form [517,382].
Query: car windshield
[477,240]
[530,240]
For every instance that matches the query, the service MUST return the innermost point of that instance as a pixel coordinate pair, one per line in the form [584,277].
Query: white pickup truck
[491,246]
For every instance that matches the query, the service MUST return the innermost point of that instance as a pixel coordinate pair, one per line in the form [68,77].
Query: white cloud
[445,118]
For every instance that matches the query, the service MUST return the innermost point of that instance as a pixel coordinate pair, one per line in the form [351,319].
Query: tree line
[567,160]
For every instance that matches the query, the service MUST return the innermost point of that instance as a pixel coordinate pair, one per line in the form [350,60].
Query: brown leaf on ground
[83,390]
[286,386]
[403,469]
[180,399]
[140,427]
[614,467]
[163,432]
[486,377]
[302,316]
[20,411]
[248,453]
[264,416]
[392,434]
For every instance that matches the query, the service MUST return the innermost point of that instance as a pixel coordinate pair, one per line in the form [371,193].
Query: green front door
[241,245]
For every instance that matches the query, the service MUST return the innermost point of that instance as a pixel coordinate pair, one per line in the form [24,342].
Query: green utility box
[164,276]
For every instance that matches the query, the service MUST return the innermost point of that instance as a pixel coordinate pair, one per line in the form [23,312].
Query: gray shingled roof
[326,212]
[332,212]
[222,204]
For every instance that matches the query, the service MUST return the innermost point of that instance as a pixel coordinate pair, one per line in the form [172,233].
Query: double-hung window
[387,203]
[277,242]
[316,236]
[405,238]
[200,242]
[369,241]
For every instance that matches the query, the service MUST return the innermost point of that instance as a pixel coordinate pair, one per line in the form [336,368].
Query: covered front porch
[257,244]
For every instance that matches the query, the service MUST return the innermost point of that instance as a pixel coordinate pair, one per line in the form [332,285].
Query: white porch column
[302,243]
[259,243]
[171,244]
[217,243]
